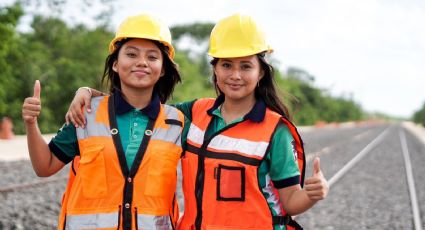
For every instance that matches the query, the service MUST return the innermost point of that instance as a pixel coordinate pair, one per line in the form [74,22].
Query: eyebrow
[242,62]
[149,50]
[247,62]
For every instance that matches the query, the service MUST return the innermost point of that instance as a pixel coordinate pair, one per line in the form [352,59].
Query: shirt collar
[256,114]
[122,106]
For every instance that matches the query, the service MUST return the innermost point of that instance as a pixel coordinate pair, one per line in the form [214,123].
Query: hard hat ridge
[237,36]
[146,27]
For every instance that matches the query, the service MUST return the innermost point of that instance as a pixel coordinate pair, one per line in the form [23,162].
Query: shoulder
[172,111]
[282,132]
[66,131]
[205,100]
[99,99]
[99,102]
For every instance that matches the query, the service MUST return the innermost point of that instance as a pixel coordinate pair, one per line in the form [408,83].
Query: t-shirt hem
[286,182]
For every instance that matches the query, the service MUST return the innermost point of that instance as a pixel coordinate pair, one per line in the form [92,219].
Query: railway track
[355,208]
[376,176]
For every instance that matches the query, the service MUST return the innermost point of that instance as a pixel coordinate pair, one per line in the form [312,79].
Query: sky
[370,50]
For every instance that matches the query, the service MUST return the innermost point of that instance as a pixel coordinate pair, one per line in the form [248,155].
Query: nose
[142,62]
[235,74]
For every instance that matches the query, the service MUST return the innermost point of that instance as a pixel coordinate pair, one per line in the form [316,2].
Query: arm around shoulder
[81,100]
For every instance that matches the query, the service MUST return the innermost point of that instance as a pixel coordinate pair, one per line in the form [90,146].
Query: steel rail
[358,157]
[410,181]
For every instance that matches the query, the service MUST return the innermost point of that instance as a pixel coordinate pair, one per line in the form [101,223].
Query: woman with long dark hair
[124,160]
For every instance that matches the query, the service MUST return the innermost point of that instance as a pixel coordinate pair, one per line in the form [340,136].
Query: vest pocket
[92,172]
[230,183]
[162,174]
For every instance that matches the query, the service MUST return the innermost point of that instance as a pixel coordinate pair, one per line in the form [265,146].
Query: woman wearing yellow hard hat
[242,164]
[124,160]
[244,161]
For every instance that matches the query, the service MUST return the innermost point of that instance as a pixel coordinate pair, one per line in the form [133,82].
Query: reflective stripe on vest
[94,199]
[102,129]
[222,143]
[110,220]
[153,222]
[172,134]
[92,221]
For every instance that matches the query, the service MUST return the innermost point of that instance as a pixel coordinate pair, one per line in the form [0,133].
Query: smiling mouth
[234,85]
[140,72]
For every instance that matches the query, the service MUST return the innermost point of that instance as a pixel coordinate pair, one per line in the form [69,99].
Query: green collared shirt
[131,122]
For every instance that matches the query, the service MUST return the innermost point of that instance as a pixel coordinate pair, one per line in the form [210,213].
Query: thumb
[37,89]
[316,166]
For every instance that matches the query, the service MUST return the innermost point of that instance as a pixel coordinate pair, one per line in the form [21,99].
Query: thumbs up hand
[32,105]
[317,187]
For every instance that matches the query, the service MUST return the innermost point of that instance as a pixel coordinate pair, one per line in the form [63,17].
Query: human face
[139,65]
[238,77]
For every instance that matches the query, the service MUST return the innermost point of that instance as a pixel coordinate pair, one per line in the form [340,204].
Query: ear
[114,66]
[214,69]
[162,72]
[261,74]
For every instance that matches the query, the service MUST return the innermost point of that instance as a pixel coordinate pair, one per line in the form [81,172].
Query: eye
[153,57]
[131,54]
[246,67]
[226,65]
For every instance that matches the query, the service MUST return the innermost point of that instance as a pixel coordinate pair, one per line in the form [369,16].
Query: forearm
[96,93]
[298,202]
[40,155]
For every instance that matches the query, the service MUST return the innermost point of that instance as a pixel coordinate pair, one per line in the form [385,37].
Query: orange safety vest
[220,181]
[102,193]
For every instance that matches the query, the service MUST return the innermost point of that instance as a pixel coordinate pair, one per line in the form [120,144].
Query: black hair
[164,87]
[266,89]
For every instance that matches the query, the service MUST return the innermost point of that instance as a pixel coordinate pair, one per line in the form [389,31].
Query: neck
[137,98]
[233,109]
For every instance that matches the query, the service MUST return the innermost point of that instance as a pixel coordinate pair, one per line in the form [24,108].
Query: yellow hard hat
[237,36]
[143,26]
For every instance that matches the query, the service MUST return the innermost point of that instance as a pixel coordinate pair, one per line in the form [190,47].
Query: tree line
[66,57]
[419,116]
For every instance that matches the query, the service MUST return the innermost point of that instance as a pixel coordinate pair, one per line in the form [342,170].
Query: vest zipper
[127,200]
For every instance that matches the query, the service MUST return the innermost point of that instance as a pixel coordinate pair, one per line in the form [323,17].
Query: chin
[235,97]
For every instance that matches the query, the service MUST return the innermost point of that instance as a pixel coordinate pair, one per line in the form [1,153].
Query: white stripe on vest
[225,143]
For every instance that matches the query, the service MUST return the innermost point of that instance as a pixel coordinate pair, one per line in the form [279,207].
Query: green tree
[65,57]
[9,44]
[419,116]
[62,58]
[9,52]
[197,31]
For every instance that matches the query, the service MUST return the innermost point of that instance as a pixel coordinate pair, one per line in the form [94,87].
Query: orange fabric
[65,196]
[99,183]
[231,209]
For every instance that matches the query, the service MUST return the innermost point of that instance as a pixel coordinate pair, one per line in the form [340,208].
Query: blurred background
[335,61]
[350,71]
